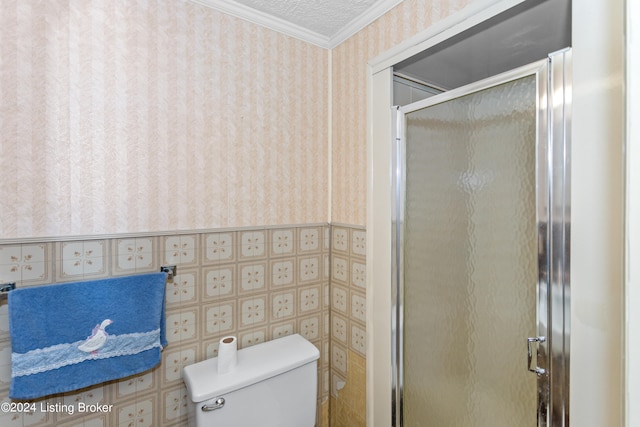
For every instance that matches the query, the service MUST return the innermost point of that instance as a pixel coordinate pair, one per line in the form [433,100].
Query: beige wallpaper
[349,93]
[122,116]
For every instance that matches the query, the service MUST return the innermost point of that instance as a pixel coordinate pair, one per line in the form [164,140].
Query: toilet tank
[274,384]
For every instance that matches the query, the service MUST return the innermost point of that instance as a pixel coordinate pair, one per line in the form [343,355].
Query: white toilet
[273,384]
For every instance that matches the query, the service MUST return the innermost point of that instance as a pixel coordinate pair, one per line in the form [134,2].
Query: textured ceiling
[325,17]
[322,22]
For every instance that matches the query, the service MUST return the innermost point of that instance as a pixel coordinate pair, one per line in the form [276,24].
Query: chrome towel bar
[5,288]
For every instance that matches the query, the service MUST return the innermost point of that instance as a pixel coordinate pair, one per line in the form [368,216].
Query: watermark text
[56,408]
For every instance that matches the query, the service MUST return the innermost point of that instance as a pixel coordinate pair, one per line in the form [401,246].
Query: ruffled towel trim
[59,355]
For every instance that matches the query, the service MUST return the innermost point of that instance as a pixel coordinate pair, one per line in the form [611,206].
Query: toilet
[274,384]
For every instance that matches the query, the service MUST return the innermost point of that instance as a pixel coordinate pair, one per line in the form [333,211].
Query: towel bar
[171,271]
[5,288]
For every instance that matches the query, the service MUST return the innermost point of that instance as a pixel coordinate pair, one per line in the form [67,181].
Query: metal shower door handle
[537,370]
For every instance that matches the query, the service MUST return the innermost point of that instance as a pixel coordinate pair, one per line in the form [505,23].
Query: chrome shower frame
[553,218]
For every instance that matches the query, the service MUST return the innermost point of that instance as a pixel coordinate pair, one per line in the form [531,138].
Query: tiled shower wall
[256,283]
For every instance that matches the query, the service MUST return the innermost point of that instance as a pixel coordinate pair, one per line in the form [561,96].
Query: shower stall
[464,347]
[480,221]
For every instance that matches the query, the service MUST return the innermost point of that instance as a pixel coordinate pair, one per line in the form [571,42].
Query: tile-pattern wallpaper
[348,326]
[256,283]
[349,92]
[156,115]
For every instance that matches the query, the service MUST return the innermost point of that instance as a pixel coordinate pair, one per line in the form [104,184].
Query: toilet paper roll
[227,354]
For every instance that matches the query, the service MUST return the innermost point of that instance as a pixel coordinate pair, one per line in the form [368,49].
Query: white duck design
[97,339]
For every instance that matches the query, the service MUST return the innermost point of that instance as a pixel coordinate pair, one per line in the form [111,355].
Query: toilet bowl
[274,384]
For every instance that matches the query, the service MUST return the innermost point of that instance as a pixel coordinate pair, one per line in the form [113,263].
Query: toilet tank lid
[254,364]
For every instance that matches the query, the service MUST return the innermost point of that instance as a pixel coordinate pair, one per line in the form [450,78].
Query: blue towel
[55,330]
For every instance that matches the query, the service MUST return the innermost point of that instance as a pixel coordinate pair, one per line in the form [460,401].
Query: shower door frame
[553,197]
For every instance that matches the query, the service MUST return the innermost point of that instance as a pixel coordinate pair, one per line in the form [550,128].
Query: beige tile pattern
[28,263]
[155,115]
[81,260]
[348,404]
[347,326]
[205,301]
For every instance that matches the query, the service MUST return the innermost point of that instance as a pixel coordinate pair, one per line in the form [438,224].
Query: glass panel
[471,266]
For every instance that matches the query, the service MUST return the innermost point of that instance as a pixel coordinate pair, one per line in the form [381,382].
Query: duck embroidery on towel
[97,339]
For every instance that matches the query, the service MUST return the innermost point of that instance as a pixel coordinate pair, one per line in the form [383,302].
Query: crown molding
[241,11]
[374,12]
[272,22]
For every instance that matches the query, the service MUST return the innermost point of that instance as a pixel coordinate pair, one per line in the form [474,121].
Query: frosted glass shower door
[471,265]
